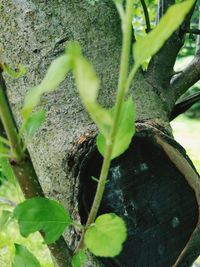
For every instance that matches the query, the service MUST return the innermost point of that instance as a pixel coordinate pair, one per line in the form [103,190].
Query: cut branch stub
[148,189]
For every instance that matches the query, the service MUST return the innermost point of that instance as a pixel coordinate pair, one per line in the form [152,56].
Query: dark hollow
[151,195]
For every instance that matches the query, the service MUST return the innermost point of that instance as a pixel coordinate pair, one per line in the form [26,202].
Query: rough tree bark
[33,33]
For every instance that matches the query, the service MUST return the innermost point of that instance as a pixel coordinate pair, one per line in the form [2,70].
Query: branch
[194,31]
[146,15]
[161,65]
[183,105]
[187,77]
[25,172]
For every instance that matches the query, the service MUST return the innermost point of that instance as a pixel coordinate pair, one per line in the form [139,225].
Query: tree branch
[146,15]
[188,77]
[184,105]
[160,68]
[194,31]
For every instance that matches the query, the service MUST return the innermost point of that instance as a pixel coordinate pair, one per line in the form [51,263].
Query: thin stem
[8,123]
[130,77]
[127,29]
[146,15]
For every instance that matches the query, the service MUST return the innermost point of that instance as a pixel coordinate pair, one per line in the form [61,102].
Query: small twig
[183,105]
[194,31]
[146,15]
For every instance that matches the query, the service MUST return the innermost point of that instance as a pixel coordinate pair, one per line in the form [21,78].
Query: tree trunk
[63,152]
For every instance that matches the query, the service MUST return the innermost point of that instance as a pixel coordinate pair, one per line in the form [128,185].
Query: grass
[186,132]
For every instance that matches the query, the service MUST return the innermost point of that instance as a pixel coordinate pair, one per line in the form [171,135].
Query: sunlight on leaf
[34,122]
[147,46]
[88,86]
[125,131]
[54,76]
[42,214]
[105,237]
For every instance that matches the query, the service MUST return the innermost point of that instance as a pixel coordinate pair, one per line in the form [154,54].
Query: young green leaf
[147,46]
[79,259]
[105,237]
[54,76]
[5,219]
[88,86]
[125,131]
[34,122]
[24,258]
[7,170]
[14,73]
[42,214]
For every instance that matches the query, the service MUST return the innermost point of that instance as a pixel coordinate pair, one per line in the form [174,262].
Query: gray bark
[32,33]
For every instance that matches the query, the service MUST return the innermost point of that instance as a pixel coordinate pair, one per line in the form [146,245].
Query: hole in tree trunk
[151,195]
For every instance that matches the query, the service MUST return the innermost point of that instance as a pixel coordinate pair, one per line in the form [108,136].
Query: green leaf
[79,259]
[105,237]
[5,219]
[88,86]
[150,44]
[14,73]
[42,214]
[54,76]
[7,169]
[125,131]
[33,122]
[24,258]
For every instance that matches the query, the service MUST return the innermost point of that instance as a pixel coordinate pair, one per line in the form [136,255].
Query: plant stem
[127,30]
[146,15]
[8,123]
